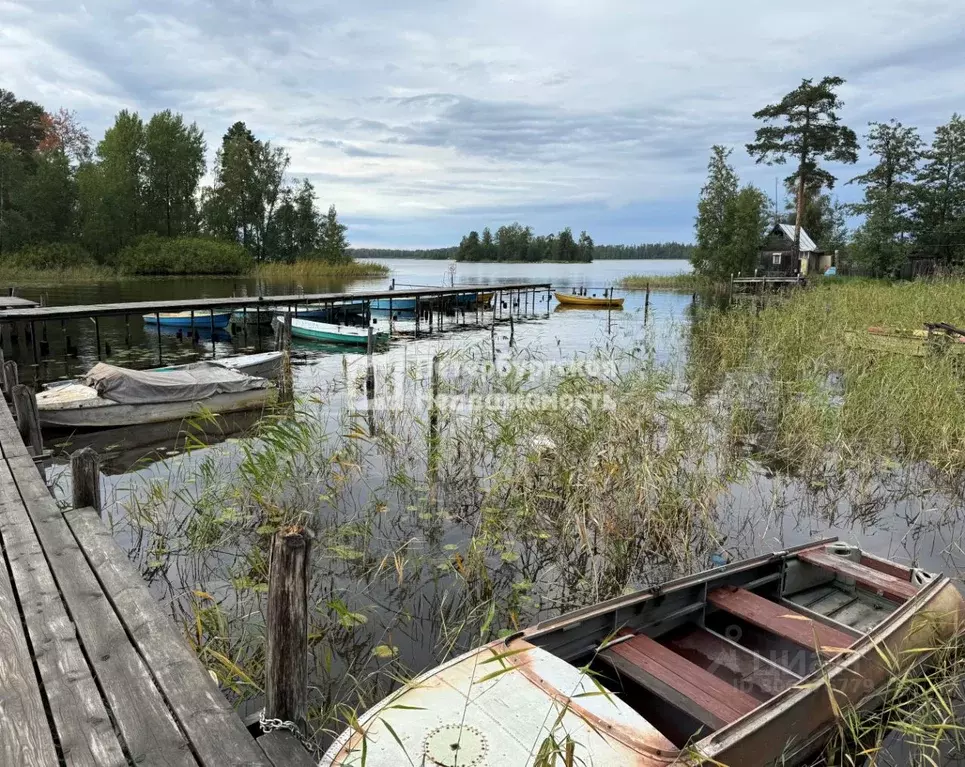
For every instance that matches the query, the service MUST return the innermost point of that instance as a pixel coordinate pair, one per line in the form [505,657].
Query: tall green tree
[121,189]
[804,127]
[586,247]
[884,239]
[49,198]
[939,194]
[246,191]
[173,165]
[731,222]
[713,208]
[487,246]
[333,246]
[470,248]
[21,123]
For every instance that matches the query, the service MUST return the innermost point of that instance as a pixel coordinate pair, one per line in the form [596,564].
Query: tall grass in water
[792,380]
[440,528]
[690,283]
[316,269]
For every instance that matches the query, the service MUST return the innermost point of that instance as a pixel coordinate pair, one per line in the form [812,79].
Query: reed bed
[440,526]
[314,269]
[690,283]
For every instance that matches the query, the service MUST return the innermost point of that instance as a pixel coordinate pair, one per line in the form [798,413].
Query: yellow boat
[589,302]
[908,342]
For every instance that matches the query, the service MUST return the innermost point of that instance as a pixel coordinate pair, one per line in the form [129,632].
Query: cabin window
[776,259]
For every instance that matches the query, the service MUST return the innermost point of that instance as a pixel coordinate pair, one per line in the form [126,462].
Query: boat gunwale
[826,671]
[637,597]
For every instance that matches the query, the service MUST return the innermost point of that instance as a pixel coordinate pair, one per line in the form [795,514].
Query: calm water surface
[766,511]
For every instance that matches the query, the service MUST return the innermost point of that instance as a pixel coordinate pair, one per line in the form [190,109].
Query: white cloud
[416,118]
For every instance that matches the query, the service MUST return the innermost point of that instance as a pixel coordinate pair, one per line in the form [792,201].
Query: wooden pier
[93,672]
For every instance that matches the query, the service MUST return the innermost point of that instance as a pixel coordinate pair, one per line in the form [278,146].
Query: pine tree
[939,195]
[804,126]
[883,241]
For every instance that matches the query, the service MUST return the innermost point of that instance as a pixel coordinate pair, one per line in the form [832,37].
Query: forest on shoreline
[657,250]
[133,203]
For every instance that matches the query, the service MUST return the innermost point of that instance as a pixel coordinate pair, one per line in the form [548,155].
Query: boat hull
[588,302]
[908,343]
[333,334]
[98,413]
[200,320]
[504,693]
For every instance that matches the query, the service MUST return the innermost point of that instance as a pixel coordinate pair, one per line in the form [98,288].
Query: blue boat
[199,319]
[400,304]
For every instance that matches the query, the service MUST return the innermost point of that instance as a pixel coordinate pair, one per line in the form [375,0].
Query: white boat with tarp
[111,396]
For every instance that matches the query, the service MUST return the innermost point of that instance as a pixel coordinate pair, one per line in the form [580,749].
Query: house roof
[807,244]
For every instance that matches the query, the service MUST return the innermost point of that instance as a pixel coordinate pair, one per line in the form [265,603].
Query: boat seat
[873,579]
[700,694]
[781,620]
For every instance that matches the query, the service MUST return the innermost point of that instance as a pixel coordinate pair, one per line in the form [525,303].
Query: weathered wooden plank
[84,729]
[150,733]
[25,737]
[737,666]
[11,443]
[708,699]
[239,302]
[283,750]
[901,572]
[214,729]
[780,620]
[876,581]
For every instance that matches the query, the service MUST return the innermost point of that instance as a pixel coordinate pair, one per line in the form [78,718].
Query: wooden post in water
[512,332]
[646,305]
[370,368]
[28,418]
[608,294]
[11,377]
[492,337]
[416,316]
[286,624]
[85,479]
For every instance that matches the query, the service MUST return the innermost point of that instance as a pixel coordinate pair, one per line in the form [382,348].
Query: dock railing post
[286,625]
[85,479]
[11,377]
[28,418]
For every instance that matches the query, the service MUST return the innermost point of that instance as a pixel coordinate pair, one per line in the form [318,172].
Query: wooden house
[778,259]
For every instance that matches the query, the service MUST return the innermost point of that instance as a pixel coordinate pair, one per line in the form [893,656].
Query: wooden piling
[85,479]
[11,377]
[286,625]
[28,418]
[370,368]
[512,332]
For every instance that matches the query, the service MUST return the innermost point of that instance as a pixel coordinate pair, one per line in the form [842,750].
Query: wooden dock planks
[215,731]
[92,672]
[84,730]
[780,620]
[248,302]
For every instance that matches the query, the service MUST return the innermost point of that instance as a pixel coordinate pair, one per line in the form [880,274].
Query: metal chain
[269,725]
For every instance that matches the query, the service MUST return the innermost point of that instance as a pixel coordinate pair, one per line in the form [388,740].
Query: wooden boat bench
[781,620]
[707,698]
[864,574]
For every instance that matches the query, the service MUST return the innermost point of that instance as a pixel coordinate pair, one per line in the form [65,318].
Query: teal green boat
[337,334]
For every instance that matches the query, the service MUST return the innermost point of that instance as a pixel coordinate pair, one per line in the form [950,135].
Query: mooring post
[416,316]
[434,421]
[646,305]
[370,369]
[85,479]
[608,294]
[288,331]
[286,624]
[492,337]
[28,418]
[512,332]
[11,377]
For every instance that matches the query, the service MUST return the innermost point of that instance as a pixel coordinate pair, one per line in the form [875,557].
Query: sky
[423,119]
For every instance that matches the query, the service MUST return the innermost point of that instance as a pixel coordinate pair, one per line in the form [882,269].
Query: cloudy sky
[421,119]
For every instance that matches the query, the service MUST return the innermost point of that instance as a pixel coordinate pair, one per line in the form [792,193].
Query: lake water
[762,511]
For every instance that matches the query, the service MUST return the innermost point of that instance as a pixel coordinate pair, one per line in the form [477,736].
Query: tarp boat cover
[199,382]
